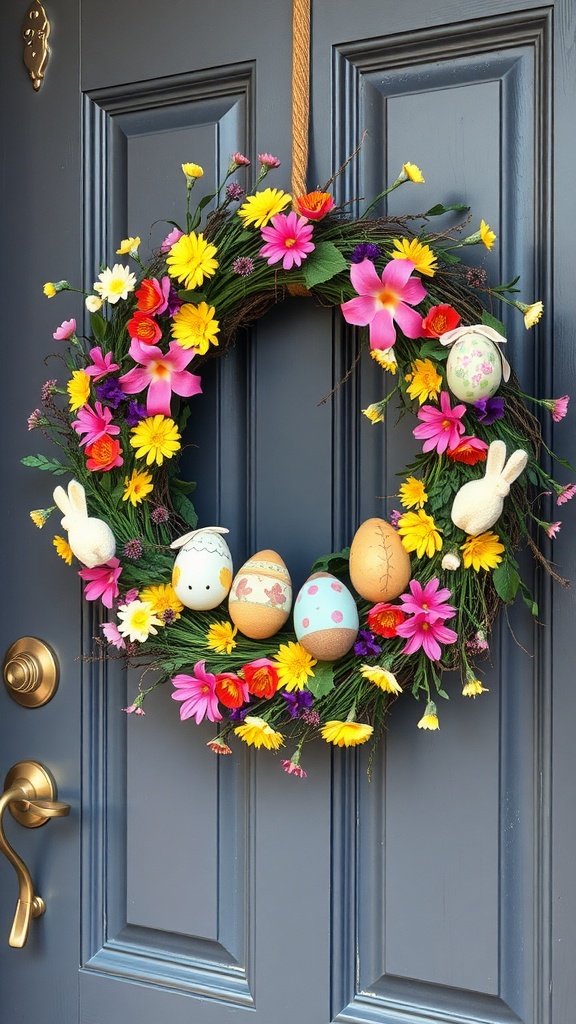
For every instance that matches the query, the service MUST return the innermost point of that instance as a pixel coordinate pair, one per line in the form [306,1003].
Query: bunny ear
[495,459]
[181,541]
[61,499]
[77,496]
[516,463]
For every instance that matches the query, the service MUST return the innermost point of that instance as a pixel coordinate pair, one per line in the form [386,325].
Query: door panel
[212,888]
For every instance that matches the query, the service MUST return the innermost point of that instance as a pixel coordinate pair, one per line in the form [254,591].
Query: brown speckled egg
[261,596]
[379,563]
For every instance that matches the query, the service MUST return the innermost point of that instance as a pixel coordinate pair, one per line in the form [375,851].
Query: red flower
[469,450]
[262,678]
[152,295]
[104,454]
[314,205]
[144,328]
[384,619]
[439,320]
[231,691]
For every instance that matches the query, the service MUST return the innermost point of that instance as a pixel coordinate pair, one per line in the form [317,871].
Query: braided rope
[300,93]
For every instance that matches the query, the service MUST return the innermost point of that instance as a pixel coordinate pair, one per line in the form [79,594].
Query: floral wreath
[415,595]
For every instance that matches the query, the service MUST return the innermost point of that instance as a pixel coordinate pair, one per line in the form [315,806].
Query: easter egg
[473,368]
[261,596]
[379,563]
[325,617]
[202,572]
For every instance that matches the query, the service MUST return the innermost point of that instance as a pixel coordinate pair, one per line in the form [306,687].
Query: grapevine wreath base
[416,594]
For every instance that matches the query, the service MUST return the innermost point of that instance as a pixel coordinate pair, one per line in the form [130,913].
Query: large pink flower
[95,423]
[102,582]
[383,301]
[429,600]
[422,633]
[441,427]
[289,240]
[161,374]
[198,693]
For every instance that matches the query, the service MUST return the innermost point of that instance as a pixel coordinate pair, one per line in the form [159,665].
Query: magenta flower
[161,374]
[288,240]
[553,529]
[65,331]
[441,427]
[95,423]
[171,239]
[113,636]
[421,633]
[102,582]
[102,364]
[566,494]
[429,600]
[383,301]
[198,693]
[558,407]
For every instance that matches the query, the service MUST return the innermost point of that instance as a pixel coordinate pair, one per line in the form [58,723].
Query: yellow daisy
[422,256]
[412,493]
[191,259]
[487,236]
[40,516]
[257,733]
[532,313]
[381,678]
[374,413]
[429,719]
[419,533]
[482,552]
[294,665]
[156,438]
[137,486]
[425,381]
[414,173]
[385,358]
[78,388]
[258,210]
[473,688]
[162,598]
[195,327]
[49,289]
[346,734]
[220,637]
[192,171]
[63,549]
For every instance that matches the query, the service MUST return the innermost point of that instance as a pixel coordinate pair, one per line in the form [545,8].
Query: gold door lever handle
[29,792]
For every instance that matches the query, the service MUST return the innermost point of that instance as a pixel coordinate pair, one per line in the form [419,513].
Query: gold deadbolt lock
[31,672]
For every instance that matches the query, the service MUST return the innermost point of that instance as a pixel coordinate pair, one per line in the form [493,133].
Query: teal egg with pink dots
[325,617]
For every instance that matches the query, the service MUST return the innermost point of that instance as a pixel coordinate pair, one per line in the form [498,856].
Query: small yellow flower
[374,413]
[294,665]
[49,289]
[195,327]
[40,516]
[412,493]
[425,381]
[422,256]
[156,438]
[137,486]
[63,549]
[346,734]
[128,245]
[162,598]
[78,388]
[414,173]
[220,637]
[482,552]
[93,303]
[381,678]
[259,209]
[385,358]
[192,171]
[487,236]
[532,313]
[257,733]
[419,533]
[429,719]
[473,688]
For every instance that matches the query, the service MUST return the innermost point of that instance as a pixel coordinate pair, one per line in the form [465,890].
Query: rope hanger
[301,16]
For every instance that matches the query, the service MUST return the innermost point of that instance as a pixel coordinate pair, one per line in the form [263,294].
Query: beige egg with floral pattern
[261,596]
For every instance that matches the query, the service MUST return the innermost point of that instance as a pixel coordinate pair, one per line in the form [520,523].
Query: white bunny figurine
[479,503]
[91,540]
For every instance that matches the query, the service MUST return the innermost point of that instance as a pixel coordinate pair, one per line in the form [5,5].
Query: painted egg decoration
[380,566]
[325,617]
[261,596]
[202,572]
[473,368]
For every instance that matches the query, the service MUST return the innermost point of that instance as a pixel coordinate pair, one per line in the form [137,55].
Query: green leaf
[190,295]
[336,562]
[324,263]
[491,321]
[506,582]
[439,209]
[185,509]
[322,682]
[98,326]
[183,486]
[41,462]
[432,350]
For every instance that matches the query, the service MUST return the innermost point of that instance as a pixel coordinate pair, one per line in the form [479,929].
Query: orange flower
[469,450]
[231,691]
[439,320]
[144,328]
[383,619]
[314,205]
[262,677]
[104,454]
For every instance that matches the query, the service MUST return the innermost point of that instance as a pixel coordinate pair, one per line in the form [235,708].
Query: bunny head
[479,503]
[90,539]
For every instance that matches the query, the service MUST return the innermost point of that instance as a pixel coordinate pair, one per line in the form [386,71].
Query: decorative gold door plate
[35,32]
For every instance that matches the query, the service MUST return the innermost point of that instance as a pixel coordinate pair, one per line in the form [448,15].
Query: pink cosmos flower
[429,601]
[566,494]
[65,331]
[102,364]
[441,427]
[553,529]
[95,423]
[383,301]
[171,239]
[110,630]
[134,709]
[558,407]
[240,160]
[421,633]
[102,582]
[198,695]
[267,160]
[161,374]
[289,240]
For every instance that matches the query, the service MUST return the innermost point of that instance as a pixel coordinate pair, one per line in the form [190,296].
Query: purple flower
[298,702]
[174,301]
[159,515]
[238,714]
[488,410]
[243,266]
[234,191]
[133,549]
[394,516]
[311,718]
[366,644]
[110,392]
[135,413]
[365,251]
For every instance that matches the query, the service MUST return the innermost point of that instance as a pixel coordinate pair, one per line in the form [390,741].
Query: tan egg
[379,563]
[261,596]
